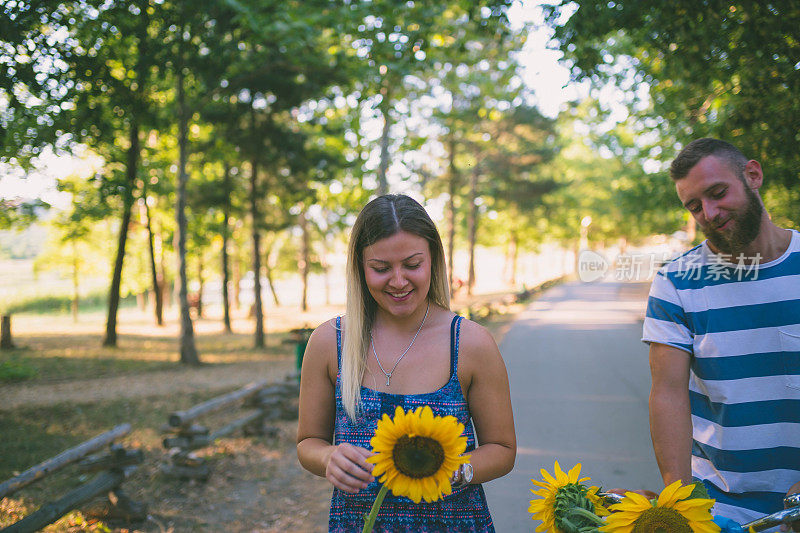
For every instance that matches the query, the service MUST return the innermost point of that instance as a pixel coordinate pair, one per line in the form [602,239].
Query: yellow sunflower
[674,511]
[416,453]
[560,494]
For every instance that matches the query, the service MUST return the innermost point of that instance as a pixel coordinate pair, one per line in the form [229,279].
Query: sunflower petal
[674,492]
[632,502]
[574,473]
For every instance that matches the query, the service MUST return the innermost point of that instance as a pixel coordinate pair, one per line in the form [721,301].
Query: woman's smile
[397,271]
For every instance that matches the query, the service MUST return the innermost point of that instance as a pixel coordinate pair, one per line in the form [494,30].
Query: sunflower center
[661,520]
[418,457]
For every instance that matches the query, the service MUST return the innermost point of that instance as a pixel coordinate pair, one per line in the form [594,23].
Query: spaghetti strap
[339,342]
[455,334]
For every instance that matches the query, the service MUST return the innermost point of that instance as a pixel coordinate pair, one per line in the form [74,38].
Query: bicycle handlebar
[787,517]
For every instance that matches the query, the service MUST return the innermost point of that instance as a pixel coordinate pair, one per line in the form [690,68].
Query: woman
[400,345]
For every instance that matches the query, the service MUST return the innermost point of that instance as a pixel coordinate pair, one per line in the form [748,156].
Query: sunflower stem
[373,512]
[586,514]
[568,526]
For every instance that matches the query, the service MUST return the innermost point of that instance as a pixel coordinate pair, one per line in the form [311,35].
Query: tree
[599,173]
[107,81]
[32,73]
[74,251]
[216,200]
[251,107]
[517,145]
[400,42]
[18,213]
[709,69]
[491,140]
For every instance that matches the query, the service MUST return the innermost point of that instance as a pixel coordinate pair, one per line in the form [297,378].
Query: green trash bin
[300,337]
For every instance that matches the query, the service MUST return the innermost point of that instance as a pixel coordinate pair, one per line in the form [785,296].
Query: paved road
[579,387]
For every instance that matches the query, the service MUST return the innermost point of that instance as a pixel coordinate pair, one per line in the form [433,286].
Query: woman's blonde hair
[381,218]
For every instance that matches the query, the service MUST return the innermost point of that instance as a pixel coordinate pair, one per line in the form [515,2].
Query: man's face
[723,203]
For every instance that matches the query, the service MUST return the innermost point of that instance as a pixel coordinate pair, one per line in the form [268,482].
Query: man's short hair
[696,150]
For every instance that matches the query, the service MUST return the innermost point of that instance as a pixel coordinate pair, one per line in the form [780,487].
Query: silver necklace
[389,373]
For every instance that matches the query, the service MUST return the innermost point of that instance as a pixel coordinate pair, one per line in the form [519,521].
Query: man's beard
[746,226]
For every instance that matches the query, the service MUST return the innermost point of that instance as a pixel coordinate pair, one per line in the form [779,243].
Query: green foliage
[699,491]
[29,47]
[727,70]
[18,214]
[282,91]
[599,174]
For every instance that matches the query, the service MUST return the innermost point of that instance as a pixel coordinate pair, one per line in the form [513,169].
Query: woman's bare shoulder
[325,332]
[322,343]
[477,342]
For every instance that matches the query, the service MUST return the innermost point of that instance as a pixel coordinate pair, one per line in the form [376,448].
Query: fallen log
[61,460]
[182,418]
[50,512]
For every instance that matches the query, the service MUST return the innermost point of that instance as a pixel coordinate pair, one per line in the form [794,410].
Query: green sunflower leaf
[699,491]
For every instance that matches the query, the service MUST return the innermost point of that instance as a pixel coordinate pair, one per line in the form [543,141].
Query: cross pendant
[387,379]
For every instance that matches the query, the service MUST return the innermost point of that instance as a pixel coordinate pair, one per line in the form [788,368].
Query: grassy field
[53,347]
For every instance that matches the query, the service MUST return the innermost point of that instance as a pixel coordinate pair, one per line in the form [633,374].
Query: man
[723,325]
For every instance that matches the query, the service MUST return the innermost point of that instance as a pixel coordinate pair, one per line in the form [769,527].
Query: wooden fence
[257,403]
[253,408]
[114,466]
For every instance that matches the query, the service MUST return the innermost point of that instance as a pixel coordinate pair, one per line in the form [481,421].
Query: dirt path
[180,380]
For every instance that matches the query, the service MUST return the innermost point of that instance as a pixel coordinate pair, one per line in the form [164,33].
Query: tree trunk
[75,282]
[6,343]
[383,166]
[237,282]
[451,213]
[188,350]
[166,284]
[326,269]
[514,258]
[201,281]
[268,272]
[226,214]
[305,260]
[116,278]
[258,309]
[473,227]
[157,281]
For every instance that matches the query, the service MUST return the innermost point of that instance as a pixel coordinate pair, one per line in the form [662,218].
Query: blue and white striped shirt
[741,327]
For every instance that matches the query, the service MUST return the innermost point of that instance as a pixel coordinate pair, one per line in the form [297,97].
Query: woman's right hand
[347,468]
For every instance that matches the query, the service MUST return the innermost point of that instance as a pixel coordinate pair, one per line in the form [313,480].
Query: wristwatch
[463,476]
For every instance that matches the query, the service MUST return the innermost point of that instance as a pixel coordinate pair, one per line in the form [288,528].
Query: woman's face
[397,271]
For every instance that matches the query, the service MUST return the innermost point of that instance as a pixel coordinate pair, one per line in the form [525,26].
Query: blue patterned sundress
[465,510]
